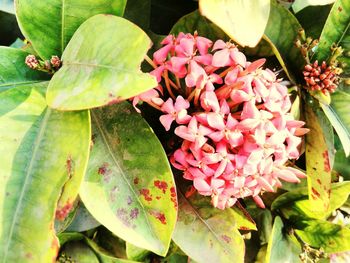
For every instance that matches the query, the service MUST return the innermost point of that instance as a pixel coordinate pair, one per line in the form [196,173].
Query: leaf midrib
[205,223]
[62,25]
[20,83]
[131,71]
[30,165]
[105,141]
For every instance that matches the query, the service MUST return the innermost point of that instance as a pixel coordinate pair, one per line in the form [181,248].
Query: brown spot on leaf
[103,169]
[161,185]
[158,215]
[340,9]
[69,166]
[227,239]
[315,192]
[173,196]
[319,182]
[158,197]
[29,255]
[62,212]
[146,194]
[327,166]
[136,180]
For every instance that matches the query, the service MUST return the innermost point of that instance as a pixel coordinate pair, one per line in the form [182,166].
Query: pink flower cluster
[232,117]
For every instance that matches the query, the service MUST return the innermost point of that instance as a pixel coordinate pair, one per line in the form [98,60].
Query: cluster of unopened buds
[50,66]
[230,115]
[322,77]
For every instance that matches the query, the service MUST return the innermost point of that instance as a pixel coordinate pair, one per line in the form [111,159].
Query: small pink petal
[287,176]
[257,199]
[221,58]
[215,120]
[166,121]
[219,44]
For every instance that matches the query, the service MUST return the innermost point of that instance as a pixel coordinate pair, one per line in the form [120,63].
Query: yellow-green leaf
[243,21]
[101,65]
[36,144]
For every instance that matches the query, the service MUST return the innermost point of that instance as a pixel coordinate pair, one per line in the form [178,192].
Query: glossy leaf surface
[129,186]
[243,21]
[49,25]
[318,158]
[195,22]
[101,65]
[36,143]
[7,6]
[331,237]
[338,114]
[336,29]
[280,247]
[207,234]
[296,204]
[281,32]
[301,4]
[13,70]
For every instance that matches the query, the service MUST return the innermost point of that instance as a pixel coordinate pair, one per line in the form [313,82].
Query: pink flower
[227,55]
[231,118]
[176,112]
[194,133]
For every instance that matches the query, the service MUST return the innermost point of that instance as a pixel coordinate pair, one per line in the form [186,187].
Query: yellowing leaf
[243,21]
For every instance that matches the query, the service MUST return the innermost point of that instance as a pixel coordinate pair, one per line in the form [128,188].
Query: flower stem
[150,61]
[167,84]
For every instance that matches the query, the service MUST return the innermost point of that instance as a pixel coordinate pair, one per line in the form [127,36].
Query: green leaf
[101,66]
[333,238]
[207,234]
[139,12]
[104,256]
[296,204]
[301,4]
[335,30]
[338,114]
[136,253]
[313,18]
[79,252]
[242,219]
[49,25]
[82,221]
[342,164]
[319,158]
[36,143]
[13,70]
[69,236]
[280,247]
[281,32]
[195,22]
[129,186]
[243,21]
[7,6]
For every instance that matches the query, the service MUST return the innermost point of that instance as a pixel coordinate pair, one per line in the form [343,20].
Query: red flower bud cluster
[321,77]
